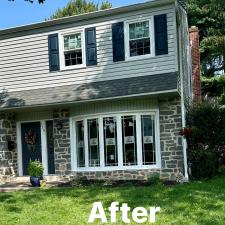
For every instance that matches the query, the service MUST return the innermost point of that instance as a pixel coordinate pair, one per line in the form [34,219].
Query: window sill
[116,168]
[135,58]
[82,66]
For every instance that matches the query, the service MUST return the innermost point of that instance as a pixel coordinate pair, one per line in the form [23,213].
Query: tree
[31,1]
[75,7]
[209,16]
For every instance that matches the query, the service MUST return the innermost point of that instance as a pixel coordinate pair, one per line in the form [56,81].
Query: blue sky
[20,12]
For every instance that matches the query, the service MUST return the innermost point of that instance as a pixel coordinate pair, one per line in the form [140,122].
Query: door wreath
[30,139]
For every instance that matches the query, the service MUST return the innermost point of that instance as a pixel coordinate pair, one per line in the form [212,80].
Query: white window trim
[119,143]
[151,35]
[61,49]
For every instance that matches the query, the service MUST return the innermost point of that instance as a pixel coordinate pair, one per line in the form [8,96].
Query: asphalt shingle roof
[91,91]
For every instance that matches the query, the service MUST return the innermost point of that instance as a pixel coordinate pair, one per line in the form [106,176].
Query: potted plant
[35,170]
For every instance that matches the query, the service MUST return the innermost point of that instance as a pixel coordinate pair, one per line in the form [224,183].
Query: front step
[49,178]
[23,183]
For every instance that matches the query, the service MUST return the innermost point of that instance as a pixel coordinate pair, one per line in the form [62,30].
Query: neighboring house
[100,95]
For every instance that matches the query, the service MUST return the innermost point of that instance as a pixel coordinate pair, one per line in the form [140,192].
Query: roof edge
[86,16]
[62,104]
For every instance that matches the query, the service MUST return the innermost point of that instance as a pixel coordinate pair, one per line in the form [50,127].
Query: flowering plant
[186,132]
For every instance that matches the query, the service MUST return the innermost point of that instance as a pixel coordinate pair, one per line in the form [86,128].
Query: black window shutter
[161,36]
[91,50]
[53,50]
[118,42]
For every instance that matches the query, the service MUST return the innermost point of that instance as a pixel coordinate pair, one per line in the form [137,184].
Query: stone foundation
[117,175]
[8,158]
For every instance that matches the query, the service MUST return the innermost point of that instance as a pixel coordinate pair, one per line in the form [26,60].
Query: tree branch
[31,1]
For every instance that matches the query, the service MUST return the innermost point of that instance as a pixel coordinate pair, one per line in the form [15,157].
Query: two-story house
[100,95]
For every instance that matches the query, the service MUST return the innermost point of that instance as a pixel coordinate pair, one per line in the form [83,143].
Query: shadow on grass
[197,201]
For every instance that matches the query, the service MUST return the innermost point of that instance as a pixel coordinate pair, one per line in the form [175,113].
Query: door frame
[44,150]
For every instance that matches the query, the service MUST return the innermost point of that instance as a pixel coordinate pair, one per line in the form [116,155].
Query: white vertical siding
[105,107]
[91,108]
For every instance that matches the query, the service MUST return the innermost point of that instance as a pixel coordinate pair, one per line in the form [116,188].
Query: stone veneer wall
[170,141]
[62,142]
[8,159]
[171,148]
[117,174]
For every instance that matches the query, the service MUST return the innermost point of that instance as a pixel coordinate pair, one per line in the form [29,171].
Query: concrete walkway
[11,187]
[23,183]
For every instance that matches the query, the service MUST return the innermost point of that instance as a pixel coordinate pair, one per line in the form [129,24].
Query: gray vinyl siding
[24,59]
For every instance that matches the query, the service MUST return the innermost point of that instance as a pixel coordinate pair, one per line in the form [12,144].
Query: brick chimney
[195,53]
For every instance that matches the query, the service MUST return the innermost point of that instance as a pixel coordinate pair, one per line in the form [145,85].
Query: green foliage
[206,142]
[105,5]
[221,169]
[204,163]
[209,17]
[76,7]
[35,169]
[222,99]
[213,87]
[154,180]
[207,120]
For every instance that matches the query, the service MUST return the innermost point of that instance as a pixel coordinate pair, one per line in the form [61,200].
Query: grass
[199,202]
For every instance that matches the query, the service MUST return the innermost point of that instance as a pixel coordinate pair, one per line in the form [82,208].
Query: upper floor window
[139,39]
[72,53]
[72,49]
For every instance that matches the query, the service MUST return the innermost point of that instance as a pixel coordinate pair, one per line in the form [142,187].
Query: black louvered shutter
[91,50]
[161,36]
[118,42]
[53,49]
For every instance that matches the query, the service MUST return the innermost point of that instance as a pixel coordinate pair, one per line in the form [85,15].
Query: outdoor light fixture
[11,145]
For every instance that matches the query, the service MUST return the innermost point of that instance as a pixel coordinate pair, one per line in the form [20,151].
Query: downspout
[183,111]
[184,142]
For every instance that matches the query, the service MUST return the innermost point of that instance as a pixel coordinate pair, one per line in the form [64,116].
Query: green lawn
[193,203]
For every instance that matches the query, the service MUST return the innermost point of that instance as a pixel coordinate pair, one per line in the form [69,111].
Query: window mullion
[101,142]
[139,140]
[86,143]
[74,146]
[157,139]
[119,142]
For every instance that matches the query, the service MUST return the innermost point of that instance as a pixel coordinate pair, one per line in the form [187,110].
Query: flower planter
[35,181]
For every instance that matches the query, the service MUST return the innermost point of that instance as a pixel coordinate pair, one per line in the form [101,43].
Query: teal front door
[31,143]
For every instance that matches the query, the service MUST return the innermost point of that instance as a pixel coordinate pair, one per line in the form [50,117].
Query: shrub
[154,180]
[205,138]
[35,169]
[222,99]
[204,163]
[207,122]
